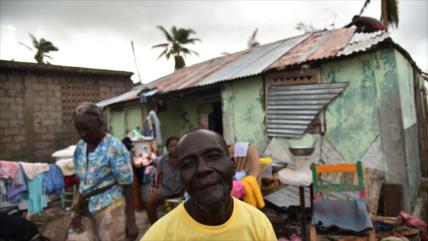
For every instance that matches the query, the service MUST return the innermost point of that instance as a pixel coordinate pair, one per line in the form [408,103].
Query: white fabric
[66,165]
[241,149]
[33,169]
[64,153]
[156,123]
[300,177]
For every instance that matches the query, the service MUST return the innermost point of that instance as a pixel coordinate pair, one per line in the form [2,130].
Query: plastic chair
[68,196]
[318,188]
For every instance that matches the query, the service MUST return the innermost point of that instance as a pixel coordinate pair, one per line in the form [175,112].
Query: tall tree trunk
[384,14]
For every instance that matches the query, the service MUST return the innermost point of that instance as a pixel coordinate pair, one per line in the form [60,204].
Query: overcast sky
[97,34]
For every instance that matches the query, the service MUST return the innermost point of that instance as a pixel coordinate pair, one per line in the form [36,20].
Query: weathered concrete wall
[36,108]
[352,118]
[406,84]
[243,111]
[378,102]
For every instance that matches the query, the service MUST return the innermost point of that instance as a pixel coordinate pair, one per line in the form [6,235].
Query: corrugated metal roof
[278,55]
[191,76]
[319,45]
[363,41]
[254,62]
[290,109]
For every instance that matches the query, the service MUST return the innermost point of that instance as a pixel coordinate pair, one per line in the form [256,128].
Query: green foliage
[176,39]
[252,42]
[42,47]
[391,8]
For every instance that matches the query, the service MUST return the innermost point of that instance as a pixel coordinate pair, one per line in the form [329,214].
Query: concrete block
[40,100]
[12,131]
[19,138]
[6,139]
[8,115]
[6,100]
[47,122]
[13,147]
[19,100]
[4,123]
[54,100]
[11,92]
[39,86]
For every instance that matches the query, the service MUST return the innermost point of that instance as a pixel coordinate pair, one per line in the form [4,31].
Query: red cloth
[8,169]
[69,181]
[412,221]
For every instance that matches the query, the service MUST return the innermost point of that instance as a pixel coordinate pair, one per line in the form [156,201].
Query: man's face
[171,146]
[89,129]
[206,171]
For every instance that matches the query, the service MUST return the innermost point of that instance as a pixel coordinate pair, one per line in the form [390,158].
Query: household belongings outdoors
[29,183]
[340,217]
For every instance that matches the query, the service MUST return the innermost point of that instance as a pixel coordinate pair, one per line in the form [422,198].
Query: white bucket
[141,147]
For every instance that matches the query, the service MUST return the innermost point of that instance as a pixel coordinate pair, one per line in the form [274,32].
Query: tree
[389,12]
[41,47]
[176,39]
[252,42]
[306,27]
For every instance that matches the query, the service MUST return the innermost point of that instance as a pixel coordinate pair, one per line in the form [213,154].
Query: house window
[295,100]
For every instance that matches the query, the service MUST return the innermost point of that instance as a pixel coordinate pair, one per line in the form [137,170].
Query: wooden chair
[250,163]
[318,188]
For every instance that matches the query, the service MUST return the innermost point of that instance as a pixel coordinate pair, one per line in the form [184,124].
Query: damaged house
[352,96]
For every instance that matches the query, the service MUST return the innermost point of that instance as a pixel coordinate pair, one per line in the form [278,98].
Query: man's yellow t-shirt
[246,223]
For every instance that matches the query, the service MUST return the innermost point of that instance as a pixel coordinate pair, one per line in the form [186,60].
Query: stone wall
[36,106]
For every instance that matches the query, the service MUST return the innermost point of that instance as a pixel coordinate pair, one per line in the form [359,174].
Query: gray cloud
[222,26]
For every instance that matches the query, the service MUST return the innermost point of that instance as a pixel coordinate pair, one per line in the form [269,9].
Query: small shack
[353,96]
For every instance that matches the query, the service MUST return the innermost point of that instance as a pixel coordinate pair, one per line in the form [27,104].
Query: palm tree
[42,47]
[389,12]
[252,42]
[176,39]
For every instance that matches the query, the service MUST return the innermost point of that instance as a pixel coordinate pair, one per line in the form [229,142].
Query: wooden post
[303,212]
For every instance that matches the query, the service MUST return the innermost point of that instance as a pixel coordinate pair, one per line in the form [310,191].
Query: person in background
[103,166]
[169,178]
[206,173]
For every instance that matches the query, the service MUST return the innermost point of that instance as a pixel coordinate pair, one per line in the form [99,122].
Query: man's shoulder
[247,209]
[162,226]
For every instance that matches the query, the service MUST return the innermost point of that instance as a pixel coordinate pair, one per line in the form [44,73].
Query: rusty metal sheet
[318,45]
[253,62]
[363,41]
[278,55]
[191,76]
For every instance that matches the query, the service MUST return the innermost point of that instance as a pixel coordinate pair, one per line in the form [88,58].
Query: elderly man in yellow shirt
[211,213]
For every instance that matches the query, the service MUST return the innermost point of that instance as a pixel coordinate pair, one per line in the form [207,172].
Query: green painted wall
[406,81]
[117,120]
[179,117]
[133,117]
[243,113]
[352,118]
[406,87]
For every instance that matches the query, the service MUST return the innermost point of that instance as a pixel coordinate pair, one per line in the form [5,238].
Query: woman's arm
[131,225]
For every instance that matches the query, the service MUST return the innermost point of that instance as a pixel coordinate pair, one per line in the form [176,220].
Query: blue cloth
[15,189]
[53,180]
[342,216]
[36,198]
[107,164]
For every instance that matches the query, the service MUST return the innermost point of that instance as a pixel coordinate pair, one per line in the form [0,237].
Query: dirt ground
[54,221]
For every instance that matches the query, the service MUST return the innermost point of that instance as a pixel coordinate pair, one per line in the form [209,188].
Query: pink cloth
[144,160]
[412,221]
[8,169]
[31,170]
[238,190]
